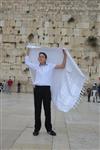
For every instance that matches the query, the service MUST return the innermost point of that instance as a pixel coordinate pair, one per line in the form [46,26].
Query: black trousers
[89,95]
[42,94]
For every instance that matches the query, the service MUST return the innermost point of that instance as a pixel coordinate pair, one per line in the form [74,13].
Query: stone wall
[68,23]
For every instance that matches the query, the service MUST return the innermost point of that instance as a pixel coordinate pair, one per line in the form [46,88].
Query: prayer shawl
[67,83]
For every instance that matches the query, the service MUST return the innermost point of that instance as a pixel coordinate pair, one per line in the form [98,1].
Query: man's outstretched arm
[62,65]
[27,60]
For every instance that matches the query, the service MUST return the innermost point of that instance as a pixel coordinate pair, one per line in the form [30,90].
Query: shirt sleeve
[52,66]
[29,63]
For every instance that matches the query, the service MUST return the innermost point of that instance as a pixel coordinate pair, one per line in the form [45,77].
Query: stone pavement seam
[65,122]
[54,128]
[17,137]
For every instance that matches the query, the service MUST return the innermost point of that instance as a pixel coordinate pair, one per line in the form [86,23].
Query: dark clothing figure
[9,85]
[94,87]
[4,86]
[1,86]
[89,94]
[10,82]
[18,87]
[99,91]
[94,92]
[42,94]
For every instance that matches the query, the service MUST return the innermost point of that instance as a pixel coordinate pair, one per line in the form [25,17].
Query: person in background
[94,92]
[99,90]
[89,94]
[9,85]
[18,87]
[1,86]
[4,85]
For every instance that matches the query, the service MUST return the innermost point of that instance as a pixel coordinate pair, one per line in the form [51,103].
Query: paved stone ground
[76,130]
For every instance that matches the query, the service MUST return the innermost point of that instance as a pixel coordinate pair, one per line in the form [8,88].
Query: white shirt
[44,73]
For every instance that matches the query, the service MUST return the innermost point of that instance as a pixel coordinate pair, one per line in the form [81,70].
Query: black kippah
[43,54]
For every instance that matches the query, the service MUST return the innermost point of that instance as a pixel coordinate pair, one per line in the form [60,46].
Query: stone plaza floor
[76,130]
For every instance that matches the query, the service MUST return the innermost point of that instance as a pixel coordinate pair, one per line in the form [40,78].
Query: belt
[42,86]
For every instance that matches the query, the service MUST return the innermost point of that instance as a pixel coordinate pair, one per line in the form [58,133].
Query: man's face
[42,59]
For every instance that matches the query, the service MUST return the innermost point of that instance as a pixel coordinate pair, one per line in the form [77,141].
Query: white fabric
[43,73]
[31,64]
[67,83]
[94,93]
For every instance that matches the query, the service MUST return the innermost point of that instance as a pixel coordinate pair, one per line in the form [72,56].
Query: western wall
[74,24]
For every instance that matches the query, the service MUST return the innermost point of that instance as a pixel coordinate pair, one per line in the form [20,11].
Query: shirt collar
[43,64]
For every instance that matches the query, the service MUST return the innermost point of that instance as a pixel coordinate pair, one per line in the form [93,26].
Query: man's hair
[43,54]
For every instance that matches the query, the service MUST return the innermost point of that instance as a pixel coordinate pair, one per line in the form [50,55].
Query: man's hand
[64,52]
[62,65]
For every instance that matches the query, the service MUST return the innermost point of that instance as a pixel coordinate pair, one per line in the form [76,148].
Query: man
[99,90]
[18,87]
[43,80]
[9,84]
[89,94]
[1,86]
[94,92]
[4,85]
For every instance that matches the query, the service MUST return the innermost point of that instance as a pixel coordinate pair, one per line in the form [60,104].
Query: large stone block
[11,38]
[18,23]
[82,25]
[76,32]
[98,32]
[1,23]
[98,17]
[0,38]
[97,25]
[85,32]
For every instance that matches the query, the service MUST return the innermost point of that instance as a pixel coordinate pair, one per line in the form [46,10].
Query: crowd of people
[6,86]
[93,93]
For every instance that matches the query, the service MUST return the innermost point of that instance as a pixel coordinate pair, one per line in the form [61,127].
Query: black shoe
[35,133]
[51,133]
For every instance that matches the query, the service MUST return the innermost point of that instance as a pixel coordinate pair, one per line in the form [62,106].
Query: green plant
[23,62]
[87,58]
[7,55]
[71,20]
[92,41]
[21,42]
[31,36]
[26,69]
